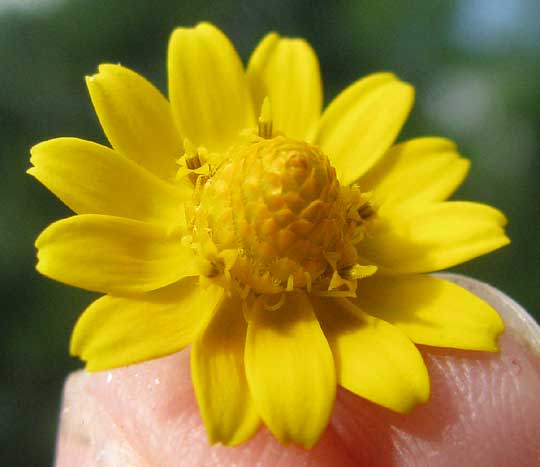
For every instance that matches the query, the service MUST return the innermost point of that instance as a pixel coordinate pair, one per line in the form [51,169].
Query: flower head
[284,245]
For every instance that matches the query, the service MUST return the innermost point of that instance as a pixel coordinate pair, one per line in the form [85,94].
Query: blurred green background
[474,64]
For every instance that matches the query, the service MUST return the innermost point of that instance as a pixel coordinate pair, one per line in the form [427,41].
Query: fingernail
[517,320]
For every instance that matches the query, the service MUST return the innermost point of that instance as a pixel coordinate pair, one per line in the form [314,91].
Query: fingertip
[483,410]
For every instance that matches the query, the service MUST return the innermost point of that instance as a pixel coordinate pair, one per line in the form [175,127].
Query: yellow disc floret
[275,211]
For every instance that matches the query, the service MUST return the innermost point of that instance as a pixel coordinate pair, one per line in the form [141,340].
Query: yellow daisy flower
[284,244]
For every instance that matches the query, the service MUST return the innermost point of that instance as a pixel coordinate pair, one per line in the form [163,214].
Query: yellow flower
[284,245]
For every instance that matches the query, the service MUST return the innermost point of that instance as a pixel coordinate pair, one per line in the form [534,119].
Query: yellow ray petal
[290,370]
[419,170]
[373,359]
[136,119]
[117,331]
[432,311]
[207,87]
[425,238]
[362,122]
[93,179]
[287,72]
[113,254]
[219,378]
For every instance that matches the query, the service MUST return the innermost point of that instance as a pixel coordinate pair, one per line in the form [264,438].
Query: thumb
[484,410]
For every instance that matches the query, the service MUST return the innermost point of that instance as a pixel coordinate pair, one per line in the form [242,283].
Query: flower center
[273,217]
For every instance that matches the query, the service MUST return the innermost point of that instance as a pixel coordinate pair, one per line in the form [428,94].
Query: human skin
[484,410]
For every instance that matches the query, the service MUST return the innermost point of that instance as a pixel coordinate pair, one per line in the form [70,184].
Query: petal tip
[91,81]
[109,68]
[465,165]
[92,367]
[36,148]
[409,90]
[205,25]
[41,238]
[272,35]
[419,397]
